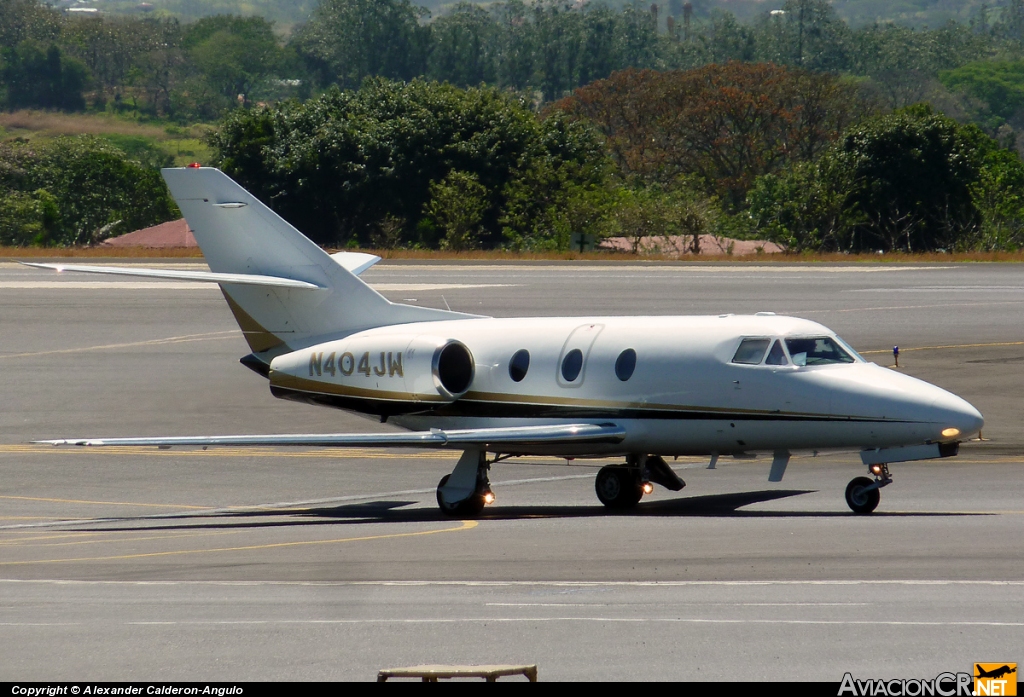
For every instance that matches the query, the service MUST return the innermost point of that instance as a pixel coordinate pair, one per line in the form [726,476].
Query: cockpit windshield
[822,350]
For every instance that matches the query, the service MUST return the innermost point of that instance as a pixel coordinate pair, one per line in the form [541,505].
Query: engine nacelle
[397,367]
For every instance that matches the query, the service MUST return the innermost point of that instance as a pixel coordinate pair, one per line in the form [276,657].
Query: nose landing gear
[862,494]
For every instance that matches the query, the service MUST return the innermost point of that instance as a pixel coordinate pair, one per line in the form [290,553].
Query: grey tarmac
[264,564]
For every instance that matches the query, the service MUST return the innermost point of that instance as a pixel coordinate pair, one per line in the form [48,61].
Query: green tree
[456,207]
[803,208]
[912,181]
[804,33]
[28,218]
[235,55]
[999,196]
[516,45]
[912,175]
[650,213]
[339,164]
[348,40]
[40,77]
[76,190]
[463,49]
[999,84]
[22,20]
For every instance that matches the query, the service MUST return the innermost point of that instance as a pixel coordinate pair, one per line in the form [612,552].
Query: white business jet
[637,388]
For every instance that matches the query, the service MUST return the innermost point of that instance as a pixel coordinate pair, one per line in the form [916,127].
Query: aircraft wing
[490,438]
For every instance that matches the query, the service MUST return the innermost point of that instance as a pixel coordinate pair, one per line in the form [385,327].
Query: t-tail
[239,234]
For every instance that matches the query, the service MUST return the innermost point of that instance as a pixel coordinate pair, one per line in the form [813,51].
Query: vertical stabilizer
[238,234]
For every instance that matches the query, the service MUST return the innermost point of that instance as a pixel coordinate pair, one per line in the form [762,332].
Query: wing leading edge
[490,438]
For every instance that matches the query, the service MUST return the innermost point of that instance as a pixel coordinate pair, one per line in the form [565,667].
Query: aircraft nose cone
[960,415]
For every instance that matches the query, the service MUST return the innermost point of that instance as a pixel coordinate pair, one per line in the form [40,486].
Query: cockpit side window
[751,351]
[776,356]
[817,351]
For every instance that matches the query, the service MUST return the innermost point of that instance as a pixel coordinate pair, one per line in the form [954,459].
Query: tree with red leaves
[724,124]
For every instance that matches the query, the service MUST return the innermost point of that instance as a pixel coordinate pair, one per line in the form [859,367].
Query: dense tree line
[545,49]
[517,124]
[741,149]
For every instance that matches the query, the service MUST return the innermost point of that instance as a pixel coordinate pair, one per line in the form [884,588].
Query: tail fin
[238,234]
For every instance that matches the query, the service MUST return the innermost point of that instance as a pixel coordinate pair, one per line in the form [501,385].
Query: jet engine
[393,367]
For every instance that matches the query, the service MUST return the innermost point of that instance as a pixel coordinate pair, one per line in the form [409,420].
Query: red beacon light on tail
[193,165]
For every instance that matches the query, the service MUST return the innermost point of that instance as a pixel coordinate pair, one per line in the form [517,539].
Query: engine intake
[453,368]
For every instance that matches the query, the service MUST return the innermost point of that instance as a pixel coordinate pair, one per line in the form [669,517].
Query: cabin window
[519,364]
[751,351]
[817,351]
[625,364]
[776,356]
[572,364]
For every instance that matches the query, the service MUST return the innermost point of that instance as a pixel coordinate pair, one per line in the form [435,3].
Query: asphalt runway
[262,564]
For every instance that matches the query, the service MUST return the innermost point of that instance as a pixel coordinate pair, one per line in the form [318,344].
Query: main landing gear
[862,494]
[465,492]
[622,486]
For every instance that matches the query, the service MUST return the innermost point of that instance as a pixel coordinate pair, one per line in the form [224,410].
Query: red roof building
[162,236]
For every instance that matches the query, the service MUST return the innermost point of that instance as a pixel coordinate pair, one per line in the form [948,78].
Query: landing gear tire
[618,487]
[859,500]
[467,508]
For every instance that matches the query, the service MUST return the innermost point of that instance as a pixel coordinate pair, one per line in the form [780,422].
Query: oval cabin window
[519,364]
[572,364]
[625,364]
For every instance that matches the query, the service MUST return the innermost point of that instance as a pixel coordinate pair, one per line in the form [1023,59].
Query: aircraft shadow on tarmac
[395,511]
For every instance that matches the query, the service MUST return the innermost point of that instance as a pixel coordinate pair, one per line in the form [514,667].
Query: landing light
[648,487]
[876,470]
[489,497]
[950,432]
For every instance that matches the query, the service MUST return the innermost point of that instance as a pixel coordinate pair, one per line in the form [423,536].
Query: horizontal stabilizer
[355,262]
[244,279]
[459,438]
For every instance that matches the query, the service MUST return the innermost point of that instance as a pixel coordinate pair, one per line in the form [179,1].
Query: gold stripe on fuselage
[317,387]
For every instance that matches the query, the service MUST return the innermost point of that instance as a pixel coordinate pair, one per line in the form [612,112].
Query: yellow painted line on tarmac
[948,346]
[105,503]
[77,534]
[183,339]
[464,525]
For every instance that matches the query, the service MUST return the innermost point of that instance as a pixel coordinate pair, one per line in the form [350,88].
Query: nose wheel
[862,494]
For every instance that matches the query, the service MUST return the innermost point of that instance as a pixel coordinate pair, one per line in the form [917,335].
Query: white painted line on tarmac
[395,287]
[616,620]
[530,584]
[655,267]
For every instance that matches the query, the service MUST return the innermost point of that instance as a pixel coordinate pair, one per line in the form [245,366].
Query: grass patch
[151,144]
